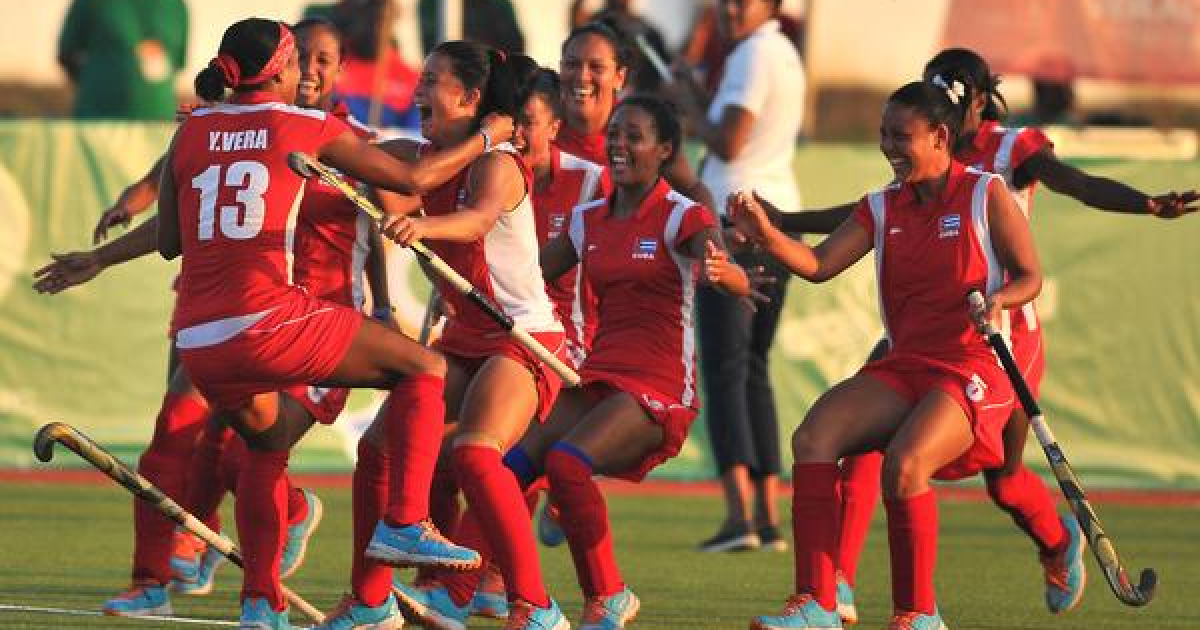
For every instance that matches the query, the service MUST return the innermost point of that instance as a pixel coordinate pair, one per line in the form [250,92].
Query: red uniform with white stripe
[928,257]
[1002,150]
[645,287]
[241,327]
[503,265]
[573,181]
[331,246]
[590,147]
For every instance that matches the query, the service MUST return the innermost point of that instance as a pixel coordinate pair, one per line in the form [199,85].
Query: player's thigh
[934,434]
[379,356]
[498,405]
[859,414]
[569,409]
[616,434]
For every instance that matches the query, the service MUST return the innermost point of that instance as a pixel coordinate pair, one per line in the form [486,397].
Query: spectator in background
[749,130]
[122,57]
[706,50]
[367,27]
[489,22]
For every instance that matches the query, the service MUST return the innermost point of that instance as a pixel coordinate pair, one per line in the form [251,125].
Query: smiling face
[446,106]
[320,65]
[536,127]
[635,152]
[590,77]
[915,148]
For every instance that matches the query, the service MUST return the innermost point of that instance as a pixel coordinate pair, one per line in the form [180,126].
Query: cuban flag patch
[949,225]
[557,223]
[645,248]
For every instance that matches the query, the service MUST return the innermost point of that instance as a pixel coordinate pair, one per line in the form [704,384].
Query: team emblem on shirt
[975,389]
[949,225]
[557,221]
[645,248]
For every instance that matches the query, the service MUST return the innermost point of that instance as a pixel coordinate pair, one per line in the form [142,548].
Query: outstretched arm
[1099,192]
[843,248]
[132,201]
[76,268]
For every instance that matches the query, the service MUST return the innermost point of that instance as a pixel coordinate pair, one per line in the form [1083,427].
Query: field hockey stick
[660,65]
[430,318]
[94,454]
[305,166]
[1102,547]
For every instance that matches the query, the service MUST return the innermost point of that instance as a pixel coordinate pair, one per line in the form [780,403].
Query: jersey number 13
[250,180]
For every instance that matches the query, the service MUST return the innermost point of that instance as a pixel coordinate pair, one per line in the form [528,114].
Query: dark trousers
[739,402]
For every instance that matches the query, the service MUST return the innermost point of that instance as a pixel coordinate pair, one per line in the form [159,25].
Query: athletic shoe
[139,601]
[525,616]
[205,576]
[419,544]
[736,538]
[801,612]
[916,621]
[297,536]
[490,599]
[550,531]
[257,614]
[352,614]
[185,552]
[430,606]
[1066,575]
[770,539]
[845,601]
[610,612]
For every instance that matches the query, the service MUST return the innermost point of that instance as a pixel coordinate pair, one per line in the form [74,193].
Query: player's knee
[905,474]
[808,445]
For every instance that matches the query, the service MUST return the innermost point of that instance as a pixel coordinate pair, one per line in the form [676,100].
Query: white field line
[94,613]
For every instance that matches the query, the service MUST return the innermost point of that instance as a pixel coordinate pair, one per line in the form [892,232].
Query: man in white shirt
[750,131]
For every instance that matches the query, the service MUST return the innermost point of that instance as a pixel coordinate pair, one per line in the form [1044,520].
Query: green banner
[1122,390]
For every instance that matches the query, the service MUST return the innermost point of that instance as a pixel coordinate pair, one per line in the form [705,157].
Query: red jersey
[645,287]
[1002,150]
[503,265]
[927,258]
[590,147]
[238,204]
[332,237]
[573,181]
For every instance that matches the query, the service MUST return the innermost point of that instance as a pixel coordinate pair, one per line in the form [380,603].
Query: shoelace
[429,531]
[594,610]
[1057,573]
[903,621]
[519,614]
[795,603]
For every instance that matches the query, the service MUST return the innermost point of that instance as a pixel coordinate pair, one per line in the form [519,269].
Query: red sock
[444,510]
[533,494]
[860,492]
[164,463]
[1027,500]
[494,498]
[461,585]
[415,419]
[370,580]
[297,503]
[815,516]
[231,462]
[912,538]
[584,519]
[205,488]
[262,523]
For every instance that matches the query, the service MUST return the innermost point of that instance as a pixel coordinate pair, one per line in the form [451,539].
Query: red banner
[1144,41]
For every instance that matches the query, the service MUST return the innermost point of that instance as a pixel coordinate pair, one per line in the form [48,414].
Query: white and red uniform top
[503,265]
[645,287]
[573,181]
[332,238]
[1002,150]
[238,207]
[590,147]
[927,258]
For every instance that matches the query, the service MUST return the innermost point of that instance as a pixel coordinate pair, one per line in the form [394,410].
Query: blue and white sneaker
[185,555]
[298,536]
[202,580]
[490,599]
[917,621]
[419,544]
[801,612]
[351,614]
[430,606]
[549,531]
[257,614]
[140,601]
[1066,574]
[525,616]
[845,601]
[611,612]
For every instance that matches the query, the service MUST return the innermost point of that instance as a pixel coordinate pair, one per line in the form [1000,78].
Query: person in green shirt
[123,55]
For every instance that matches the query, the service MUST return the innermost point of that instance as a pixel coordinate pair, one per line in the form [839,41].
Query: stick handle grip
[1004,353]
